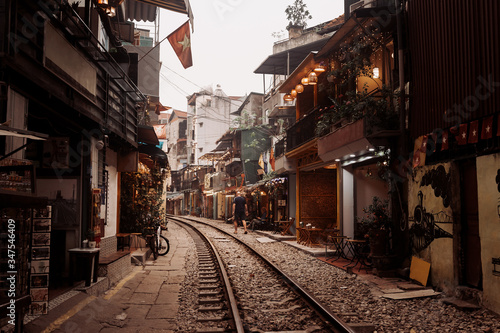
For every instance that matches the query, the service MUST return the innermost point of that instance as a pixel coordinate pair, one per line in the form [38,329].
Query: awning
[9,131]
[223,146]
[139,11]
[175,196]
[277,63]
[147,134]
[179,6]
[347,29]
[212,156]
[302,70]
[283,111]
[155,153]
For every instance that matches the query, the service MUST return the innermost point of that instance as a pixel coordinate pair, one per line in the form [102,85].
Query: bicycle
[158,243]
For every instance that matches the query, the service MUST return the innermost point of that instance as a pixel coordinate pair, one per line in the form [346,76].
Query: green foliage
[297,14]
[355,60]
[141,200]
[259,132]
[376,216]
[269,176]
[377,107]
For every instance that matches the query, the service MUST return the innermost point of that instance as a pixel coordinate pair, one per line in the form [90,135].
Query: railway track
[217,311]
[264,296]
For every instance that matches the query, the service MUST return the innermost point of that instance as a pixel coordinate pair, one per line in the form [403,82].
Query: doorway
[470,241]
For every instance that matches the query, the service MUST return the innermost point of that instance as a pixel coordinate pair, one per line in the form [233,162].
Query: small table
[122,240]
[285,227]
[309,236]
[303,236]
[355,247]
[339,243]
[90,258]
[315,236]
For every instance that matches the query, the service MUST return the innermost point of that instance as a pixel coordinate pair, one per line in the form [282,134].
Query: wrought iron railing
[279,148]
[116,96]
[303,130]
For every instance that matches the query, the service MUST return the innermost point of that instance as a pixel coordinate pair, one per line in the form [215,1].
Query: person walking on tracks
[240,210]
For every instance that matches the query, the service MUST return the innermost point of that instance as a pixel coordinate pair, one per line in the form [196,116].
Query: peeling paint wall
[433,199]
[488,182]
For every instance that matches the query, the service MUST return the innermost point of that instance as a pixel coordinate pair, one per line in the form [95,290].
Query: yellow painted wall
[440,251]
[488,168]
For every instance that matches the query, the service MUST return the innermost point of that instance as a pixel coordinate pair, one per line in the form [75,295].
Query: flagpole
[153,48]
[158,44]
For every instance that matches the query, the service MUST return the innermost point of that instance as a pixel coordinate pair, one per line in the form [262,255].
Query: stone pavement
[146,300]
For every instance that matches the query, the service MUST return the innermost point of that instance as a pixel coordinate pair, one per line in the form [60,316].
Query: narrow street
[146,300]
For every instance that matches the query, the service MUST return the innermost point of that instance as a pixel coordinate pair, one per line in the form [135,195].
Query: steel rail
[334,323]
[233,304]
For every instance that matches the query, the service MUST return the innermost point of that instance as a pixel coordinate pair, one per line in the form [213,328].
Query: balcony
[278,107]
[356,138]
[279,148]
[65,61]
[303,131]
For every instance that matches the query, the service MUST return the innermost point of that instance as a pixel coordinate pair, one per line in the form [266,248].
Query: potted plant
[375,225]
[297,15]
[91,238]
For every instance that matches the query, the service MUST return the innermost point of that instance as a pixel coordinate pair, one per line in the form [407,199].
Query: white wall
[367,186]
[112,214]
[347,201]
[213,118]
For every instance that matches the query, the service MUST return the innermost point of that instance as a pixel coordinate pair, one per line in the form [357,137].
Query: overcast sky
[231,39]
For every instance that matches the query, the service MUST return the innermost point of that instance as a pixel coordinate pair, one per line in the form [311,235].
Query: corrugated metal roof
[139,11]
[277,63]
[145,10]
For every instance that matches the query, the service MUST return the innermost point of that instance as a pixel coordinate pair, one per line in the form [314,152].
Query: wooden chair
[285,226]
[304,236]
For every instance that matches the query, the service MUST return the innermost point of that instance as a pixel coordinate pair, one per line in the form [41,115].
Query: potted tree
[375,225]
[297,15]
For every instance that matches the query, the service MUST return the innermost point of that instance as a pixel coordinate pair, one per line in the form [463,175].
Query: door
[471,244]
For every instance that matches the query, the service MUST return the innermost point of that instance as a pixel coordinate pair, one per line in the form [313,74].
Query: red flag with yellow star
[474,131]
[462,134]
[444,142]
[487,131]
[180,40]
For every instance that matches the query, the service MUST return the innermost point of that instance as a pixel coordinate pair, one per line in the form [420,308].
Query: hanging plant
[353,60]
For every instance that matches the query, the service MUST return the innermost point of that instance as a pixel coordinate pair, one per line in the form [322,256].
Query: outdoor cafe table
[285,225]
[355,248]
[339,242]
[309,236]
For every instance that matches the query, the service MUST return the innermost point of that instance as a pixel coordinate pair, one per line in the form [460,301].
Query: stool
[122,241]
[136,241]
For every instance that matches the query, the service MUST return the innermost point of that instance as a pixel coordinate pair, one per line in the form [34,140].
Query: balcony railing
[279,148]
[114,99]
[302,131]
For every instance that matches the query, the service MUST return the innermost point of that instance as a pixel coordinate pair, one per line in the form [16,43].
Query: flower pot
[92,244]
[378,242]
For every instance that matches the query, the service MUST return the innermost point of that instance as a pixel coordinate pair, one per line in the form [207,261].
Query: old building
[70,109]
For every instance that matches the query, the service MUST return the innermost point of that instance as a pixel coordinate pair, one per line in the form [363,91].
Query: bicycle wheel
[164,246]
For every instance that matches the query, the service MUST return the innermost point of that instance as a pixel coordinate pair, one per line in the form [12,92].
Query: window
[17,111]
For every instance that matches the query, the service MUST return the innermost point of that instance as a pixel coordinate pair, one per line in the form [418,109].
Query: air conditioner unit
[362,4]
